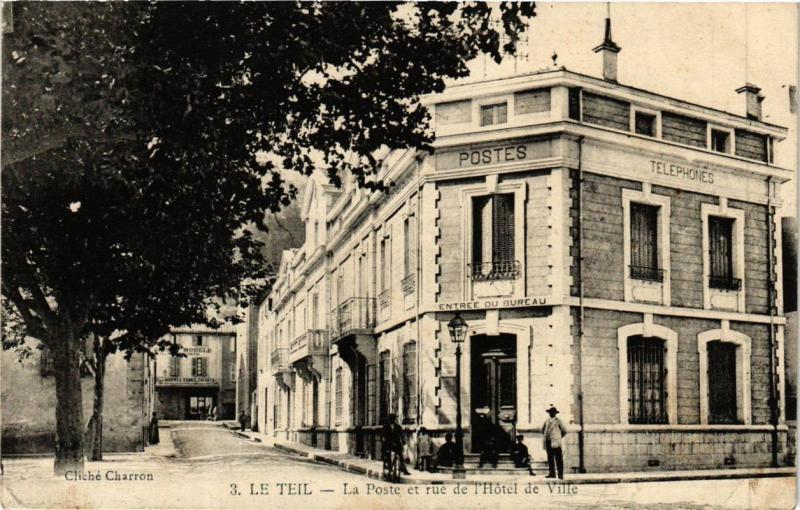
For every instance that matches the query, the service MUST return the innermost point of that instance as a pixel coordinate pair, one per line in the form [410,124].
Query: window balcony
[646,273]
[496,270]
[409,284]
[280,360]
[313,342]
[353,316]
[725,283]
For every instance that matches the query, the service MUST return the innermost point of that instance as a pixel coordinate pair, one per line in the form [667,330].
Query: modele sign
[682,171]
[492,303]
[197,350]
[187,380]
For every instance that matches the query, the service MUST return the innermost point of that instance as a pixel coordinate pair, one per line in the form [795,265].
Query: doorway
[494,391]
[199,406]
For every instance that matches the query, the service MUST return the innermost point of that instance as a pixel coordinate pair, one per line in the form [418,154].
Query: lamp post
[458,329]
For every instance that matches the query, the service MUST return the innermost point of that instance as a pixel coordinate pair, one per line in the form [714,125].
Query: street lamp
[458,330]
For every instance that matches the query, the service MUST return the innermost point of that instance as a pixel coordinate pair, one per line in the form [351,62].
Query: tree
[134,143]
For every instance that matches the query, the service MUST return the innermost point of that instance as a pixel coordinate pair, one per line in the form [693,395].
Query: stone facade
[525,230]
[29,399]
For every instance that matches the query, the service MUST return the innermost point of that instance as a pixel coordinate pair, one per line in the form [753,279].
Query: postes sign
[471,157]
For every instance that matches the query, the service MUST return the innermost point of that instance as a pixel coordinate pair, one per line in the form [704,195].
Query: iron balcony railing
[647,273]
[385,299]
[724,283]
[354,315]
[496,270]
[280,359]
[311,342]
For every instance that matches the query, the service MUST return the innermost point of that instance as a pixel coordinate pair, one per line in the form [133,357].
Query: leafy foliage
[133,136]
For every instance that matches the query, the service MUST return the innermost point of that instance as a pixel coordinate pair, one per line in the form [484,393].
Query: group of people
[429,458]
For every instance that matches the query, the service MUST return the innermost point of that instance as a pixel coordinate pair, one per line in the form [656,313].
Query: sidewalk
[374,468]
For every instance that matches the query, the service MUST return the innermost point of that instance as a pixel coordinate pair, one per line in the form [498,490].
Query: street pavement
[204,465]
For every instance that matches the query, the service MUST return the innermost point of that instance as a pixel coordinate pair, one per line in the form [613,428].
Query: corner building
[612,250]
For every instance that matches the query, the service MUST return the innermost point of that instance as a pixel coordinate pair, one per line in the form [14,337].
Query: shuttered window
[647,375]
[493,235]
[174,367]
[338,400]
[384,381]
[722,382]
[494,114]
[372,394]
[410,381]
[720,255]
[644,242]
[199,367]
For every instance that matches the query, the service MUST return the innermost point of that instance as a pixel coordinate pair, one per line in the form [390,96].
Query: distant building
[246,363]
[28,402]
[189,387]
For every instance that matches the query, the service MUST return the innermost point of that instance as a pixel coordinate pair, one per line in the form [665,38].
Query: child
[424,449]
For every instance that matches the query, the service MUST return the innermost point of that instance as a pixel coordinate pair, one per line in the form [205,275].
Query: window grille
[720,255]
[647,375]
[644,243]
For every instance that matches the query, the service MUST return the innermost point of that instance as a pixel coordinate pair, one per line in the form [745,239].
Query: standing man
[242,420]
[552,432]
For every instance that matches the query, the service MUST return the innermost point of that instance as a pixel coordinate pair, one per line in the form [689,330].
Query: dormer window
[492,114]
[719,139]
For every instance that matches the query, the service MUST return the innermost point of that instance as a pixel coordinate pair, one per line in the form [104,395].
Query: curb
[610,478]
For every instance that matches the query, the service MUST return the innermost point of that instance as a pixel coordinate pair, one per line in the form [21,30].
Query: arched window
[724,357]
[647,373]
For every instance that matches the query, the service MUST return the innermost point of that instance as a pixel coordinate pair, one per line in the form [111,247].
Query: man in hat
[552,432]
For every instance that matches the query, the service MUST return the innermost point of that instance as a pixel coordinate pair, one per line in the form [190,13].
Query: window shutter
[644,238]
[503,238]
[721,255]
[481,232]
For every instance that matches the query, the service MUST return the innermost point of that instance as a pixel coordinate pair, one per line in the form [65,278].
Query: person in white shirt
[552,432]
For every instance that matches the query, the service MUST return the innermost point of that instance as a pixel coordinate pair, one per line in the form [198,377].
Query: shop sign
[197,350]
[492,303]
[186,380]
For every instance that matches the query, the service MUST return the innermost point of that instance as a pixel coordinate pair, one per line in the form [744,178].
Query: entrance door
[494,391]
[199,407]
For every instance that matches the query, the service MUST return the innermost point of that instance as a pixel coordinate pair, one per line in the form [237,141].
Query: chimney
[753,100]
[610,50]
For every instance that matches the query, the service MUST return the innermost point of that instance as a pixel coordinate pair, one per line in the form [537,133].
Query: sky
[696,52]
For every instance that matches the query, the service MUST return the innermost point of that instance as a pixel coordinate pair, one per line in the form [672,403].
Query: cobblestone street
[204,465]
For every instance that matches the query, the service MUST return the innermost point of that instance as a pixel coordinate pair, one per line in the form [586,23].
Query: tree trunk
[97,411]
[69,404]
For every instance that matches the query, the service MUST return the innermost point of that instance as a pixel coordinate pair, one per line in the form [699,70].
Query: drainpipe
[581,450]
[773,393]
[418,284]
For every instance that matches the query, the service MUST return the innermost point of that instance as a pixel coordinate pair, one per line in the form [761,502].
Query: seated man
[520,454]
[447,452]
